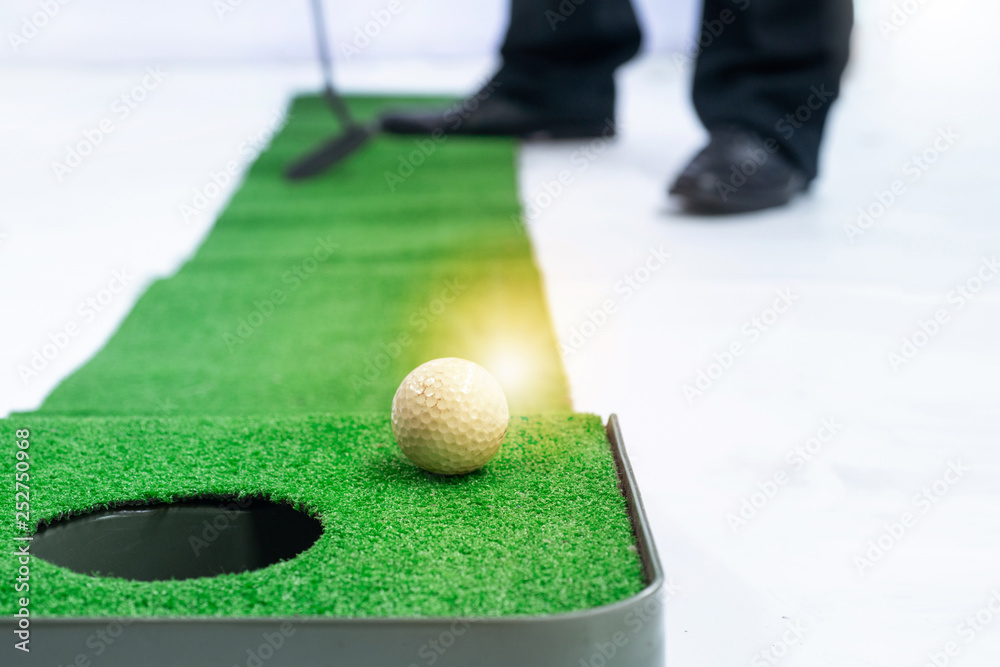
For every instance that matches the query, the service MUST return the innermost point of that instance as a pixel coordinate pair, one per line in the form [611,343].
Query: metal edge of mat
[628,633]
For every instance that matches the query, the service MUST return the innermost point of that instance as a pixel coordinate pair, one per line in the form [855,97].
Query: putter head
[331,153]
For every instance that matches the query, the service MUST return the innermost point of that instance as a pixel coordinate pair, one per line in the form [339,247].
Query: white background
[269,30]
[697,461]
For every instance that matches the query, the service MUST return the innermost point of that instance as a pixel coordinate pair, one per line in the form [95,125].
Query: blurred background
[920,70]
[254,30]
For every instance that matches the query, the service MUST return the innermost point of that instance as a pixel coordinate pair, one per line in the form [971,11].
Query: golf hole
[197,537]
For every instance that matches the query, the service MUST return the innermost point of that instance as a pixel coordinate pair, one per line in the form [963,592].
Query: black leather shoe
[575,106]
[738,172]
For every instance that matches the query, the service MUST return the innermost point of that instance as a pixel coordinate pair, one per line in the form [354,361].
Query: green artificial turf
[267,319]
[538,531]
[267,365]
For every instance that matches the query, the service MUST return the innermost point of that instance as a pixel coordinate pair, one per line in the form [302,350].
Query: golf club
[353,134]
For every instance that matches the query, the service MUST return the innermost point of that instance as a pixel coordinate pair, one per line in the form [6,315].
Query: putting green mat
[320,296]
[537,531]
[267,364]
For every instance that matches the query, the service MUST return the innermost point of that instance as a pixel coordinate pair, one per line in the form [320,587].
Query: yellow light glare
[515,367]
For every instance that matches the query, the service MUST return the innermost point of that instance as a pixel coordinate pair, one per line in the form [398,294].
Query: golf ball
[449,416]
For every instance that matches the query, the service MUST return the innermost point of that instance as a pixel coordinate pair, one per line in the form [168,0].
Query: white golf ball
[449,416]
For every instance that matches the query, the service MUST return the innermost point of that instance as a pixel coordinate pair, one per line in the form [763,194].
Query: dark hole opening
[198,537]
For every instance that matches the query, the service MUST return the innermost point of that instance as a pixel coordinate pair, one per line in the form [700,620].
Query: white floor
[818,370]
[890,433]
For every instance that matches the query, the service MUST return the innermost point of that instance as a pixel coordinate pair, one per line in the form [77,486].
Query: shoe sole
[585,131]
[697,201]
[582,131]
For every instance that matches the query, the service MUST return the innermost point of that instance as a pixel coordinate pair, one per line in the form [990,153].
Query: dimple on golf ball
[449,416]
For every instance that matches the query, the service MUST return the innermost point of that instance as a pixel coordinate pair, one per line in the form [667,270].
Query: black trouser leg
[603,33]
[558,50]
[773,66]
